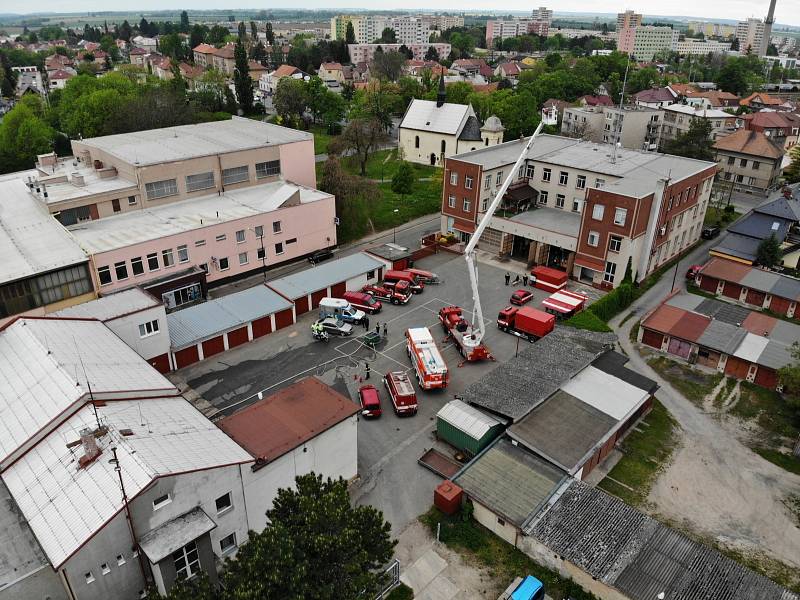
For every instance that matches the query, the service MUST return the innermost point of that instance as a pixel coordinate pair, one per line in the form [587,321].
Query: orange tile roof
[204,49]
[726,270]
[759,324]
[285,71]
[761,98]
[677,322]
[749,142]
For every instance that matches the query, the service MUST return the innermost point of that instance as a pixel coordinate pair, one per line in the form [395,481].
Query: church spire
[441,97]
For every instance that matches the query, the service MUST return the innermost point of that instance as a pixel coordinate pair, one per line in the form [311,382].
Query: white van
[341,309]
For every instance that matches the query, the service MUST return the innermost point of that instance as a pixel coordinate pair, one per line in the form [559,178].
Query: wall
[332,453]
[429,143]
[297,163]
[127,329]
[42,583]
[464,219]
[491,521]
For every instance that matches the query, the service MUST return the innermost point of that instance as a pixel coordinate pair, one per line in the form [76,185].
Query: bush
[614,302]
[729,209]
[587,320]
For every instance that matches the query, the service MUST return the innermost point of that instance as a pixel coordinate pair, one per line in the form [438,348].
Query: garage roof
[467,418]
[753,278]
[606,393]
[325,275]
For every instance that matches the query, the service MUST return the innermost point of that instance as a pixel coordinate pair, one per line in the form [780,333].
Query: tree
[290,100]
[361,137]
[789,376]
[387,65]
[403,180]
[197,588]
[388,36]
[217,34]
[792,172]
[432,54]
[270,34]
[242,30]
[353,195]
[350,33]
[405,51]
[695,143]
[209,93]
[23,134]
[125,31]
[254,31]
[459,92]
[316,545]
[768,253]
[184,27]
[241,78]
[316,92]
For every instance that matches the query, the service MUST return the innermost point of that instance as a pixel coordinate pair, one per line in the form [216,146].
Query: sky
[787,11]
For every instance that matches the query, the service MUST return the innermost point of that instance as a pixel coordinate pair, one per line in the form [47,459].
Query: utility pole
[619,117]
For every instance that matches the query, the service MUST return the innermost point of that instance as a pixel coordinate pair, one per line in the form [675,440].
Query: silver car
[336,326]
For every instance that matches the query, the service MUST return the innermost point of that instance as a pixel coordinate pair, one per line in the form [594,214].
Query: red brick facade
[458,193]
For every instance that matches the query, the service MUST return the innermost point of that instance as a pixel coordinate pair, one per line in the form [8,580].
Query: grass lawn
[586,319]
[720,217]
[425,199]
[692,383]
[645,453]
[383,165]
[769,409]
[505,562]
[321,139]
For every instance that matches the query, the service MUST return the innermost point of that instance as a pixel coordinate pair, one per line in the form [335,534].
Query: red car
[370,401]
[520,297]
[693,272]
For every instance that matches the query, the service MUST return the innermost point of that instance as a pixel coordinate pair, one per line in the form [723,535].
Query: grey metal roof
[552,219]
[202,321]
[776,354]
[563,429]
[722,336]
[761,226]
[639,556]
[515,387]
[111,306]
[510,481]
[613,363]
[782,207]
[471,130]
[327,274]
[467,418]
[786,287]
[758,279]
[722,311]
[739,246]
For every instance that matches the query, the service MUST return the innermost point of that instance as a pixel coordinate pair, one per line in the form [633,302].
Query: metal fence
[393,571]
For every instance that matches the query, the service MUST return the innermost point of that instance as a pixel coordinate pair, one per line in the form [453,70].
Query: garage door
[160,363]
[186,357]
[731,290]
[301,305]
[679,347]
[316,297]
[283,318]
[237,337]
[708,358]
[213,346]
[708,284]
[779,305]
[651,338]
[736,367]
[338,290]
[262,326]
[755,298]
[766,377]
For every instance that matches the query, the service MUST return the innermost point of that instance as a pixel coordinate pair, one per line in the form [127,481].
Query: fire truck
[468,340]
[428,362]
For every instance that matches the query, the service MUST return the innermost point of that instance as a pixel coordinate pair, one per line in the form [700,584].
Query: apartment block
[701,47]
[678,118]
[709,29]
[441,22]
[367,28]
[577,206]
[645,41]
[750,34]
[503,29]
[366,52]
[634,127]
[627,19]
[750,161]
[542,14]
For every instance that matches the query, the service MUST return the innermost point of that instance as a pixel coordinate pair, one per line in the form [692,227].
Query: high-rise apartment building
[409,30]
[628,19]
[750,34]
[501,30]
[646,41]
[542,14]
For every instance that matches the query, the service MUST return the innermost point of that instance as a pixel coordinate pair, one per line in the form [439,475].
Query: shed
[465,427]
[394,256]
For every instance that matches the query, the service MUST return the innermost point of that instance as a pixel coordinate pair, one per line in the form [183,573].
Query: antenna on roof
[88,383]
[619,117]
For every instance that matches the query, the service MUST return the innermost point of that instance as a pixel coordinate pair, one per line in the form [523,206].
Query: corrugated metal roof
[759,323]
[751,347]
[722,311]
[786,287]
[467,418]
[776,354]
[737,246]
[754,278]
[727,270]
[112,305]
[663,318]
[606,393]
[202,321]
[424,115]
[331,272]
[760,226]
[722,337]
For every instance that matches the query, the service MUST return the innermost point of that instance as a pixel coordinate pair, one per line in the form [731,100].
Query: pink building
[625,39]
[226,235]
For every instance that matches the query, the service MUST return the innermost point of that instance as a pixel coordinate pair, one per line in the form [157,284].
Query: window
[756,164]
[608,276]
[291,241]
[161,501]
[560,200]
[521,172]
[371,274]
[466,205]
[451,201]
[279,248]
[221,238]
[484,204]
[242,258]
[468,182]
[546,175]
[597,212]
[444,146]
[739,178]
[261,254]
[416,141]
[228,543]
[620,214]
[576,205]
[105,569]
[731,160]
[184,295]
[199,243]
[121,270]
[152,262]
[598,182]
[104,274]
[89,577]
[166,257]
[529,171]
[276,227]
[487,183]
[580,183]
[743,162]
[183,254]
[614,243]
[120,560]
[159,189]
[223,264]
[499,178]
[187,561]
[136,265]
[224,503]
[453,178]
[131,200]
[542,198]
[115,205]
[240,236]
[593,239]
[235,175]
[268,169]
[259,230]
[563,178]
[201,181]
[70,216]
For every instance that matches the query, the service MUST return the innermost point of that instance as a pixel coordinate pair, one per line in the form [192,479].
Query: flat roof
[327,274]
[111,306]
[32,242]
[287,419]
[183,142]
[148,224]
[390,251]
[173,535]
[551,219]
[20,554]
[93,184]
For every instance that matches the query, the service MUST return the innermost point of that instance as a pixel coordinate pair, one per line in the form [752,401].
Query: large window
[148,328]
[542,198]
[546,174]
[563,178]
[597,212]
[268,169]
[70,216]
[559,200]
[183,295]
[235,175]
[468,182]
[166,257]
[453,178]
[136,265]
[580,183]
[223,503]
[187,561]
[620,215]
[183,254]
[152,261]
[240,236]
[104,274]
[201,181]
[611,269]
[121,270]
[276,227]
[161,189]
[614,243]
[243,258]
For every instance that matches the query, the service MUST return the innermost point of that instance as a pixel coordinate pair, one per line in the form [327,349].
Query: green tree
[387,65]
[241,78]
[290,100]
[388,36]
[269,33]
[334,109]
[23,134]
[361,137]
[209,93]
[792,172]
[695,143]
[242,30]
[459,92]
[197,36]
[768,253]
[350,33]
[432,54]
[253,31]
[353,197]
[789,376]
[316,93]
[184,27]
[403,180]
[197,588]
[409,89]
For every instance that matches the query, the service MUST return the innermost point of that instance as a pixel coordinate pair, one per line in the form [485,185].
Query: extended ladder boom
[469,251]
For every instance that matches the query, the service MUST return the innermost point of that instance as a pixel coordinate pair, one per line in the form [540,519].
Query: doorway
[433,159]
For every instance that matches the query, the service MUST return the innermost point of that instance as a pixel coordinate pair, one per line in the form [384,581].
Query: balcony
[519,198]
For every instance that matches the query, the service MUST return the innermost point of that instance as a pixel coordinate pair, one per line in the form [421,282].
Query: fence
[393,570]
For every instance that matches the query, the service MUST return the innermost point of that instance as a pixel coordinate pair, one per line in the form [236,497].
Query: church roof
[424,115]
[472,130]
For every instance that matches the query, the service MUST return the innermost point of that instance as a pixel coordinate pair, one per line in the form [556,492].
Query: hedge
[613,303]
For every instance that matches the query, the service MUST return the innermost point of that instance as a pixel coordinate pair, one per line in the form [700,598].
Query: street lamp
[394,229]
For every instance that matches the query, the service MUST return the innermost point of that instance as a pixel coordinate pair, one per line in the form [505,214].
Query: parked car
[424,276]
[335,326]
[370,401]
[693,271]
[709,233]
[400,294]
[320,255]
[363,301]
[401,393]
[520,297]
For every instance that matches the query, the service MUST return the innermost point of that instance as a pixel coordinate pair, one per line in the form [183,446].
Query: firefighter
[508,277]
[384,330]
[365,322]
[366,370]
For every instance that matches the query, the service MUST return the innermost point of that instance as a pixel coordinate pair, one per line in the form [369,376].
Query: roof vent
[77,179]
[126,432]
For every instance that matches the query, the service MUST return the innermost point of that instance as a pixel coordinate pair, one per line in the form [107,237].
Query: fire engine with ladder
[426,358]
[468,338]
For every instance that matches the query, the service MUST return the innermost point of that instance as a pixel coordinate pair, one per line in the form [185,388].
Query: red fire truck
[428,362]
[468,341]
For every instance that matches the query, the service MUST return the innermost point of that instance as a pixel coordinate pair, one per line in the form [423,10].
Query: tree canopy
[768,253]
[695,143]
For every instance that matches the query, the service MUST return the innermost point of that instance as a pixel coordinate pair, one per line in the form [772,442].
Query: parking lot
[388,448]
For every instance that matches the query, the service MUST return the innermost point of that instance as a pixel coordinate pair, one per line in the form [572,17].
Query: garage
[301,305]
[262,326]
[283,319]
[651,338]
[160,363]
[679,348]
[338,290]
[317,297]
[213,346]
[779,305]
[187,356]
[237,337]
[731,290]
[708,284]
[755,298]
[766,377]
[736,367]
[708,358]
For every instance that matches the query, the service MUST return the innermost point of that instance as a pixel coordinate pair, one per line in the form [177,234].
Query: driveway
[715,485]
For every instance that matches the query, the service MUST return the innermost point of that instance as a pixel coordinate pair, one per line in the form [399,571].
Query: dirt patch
[693,383]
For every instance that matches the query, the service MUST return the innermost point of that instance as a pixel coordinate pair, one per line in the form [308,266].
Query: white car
[336,326]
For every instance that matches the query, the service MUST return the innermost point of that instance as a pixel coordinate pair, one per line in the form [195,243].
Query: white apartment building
[627,19]
[504,29]
[646,41]
[367,29]
[750,34]
[701,47]
[542,14]
[678,118]
[366,52]
[712,29]
[442,22]
[634,127]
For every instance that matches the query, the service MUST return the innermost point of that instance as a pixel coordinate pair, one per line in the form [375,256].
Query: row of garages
[201,331]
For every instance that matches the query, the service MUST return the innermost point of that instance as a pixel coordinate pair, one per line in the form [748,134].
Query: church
[432,131]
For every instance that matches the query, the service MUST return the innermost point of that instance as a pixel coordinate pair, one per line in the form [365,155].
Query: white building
[678,118]
[701,47]
[750,34]
[366,52]
[628,18]
[368,28]
[146,43]
[542,14]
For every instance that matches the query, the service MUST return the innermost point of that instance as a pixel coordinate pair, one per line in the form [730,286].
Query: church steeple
[441,97]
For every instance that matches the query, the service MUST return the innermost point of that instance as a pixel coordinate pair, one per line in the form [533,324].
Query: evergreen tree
[254,31]
[769,252]
[695,143]
[125,31]
[403,180]
[350,33]
[242,30]
[184,22]
[432,54]
[270,34]
[241,77]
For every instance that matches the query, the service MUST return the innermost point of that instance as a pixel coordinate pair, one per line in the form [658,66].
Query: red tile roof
[654,95]
[60,74]
[287,419]
[596,100]
[331,66]
[760,98]
[677,322]
[726,270]
[285,71]
[204,49]
[759,324]
[749,142]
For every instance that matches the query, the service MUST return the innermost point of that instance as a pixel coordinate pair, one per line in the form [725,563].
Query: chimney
[90,449]
[77,179]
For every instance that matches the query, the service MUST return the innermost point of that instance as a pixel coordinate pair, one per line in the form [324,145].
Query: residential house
[508,70]
[203,55]
[471,67]
[268,82]
[750,161]
[58,78]
[781,127]
[552,110]
[224,60]
[148,43]
[635,127]
[256,70]
[602,100]
[678,118]
[654,97]
[137,56]
[759,100]
[331,71]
